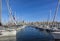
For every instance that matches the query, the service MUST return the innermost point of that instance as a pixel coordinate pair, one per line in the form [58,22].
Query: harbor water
[30,33]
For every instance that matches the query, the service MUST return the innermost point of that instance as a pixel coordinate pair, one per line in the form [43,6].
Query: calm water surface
[29,33]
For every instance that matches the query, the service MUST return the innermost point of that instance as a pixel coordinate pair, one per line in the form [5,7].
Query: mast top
[0,11]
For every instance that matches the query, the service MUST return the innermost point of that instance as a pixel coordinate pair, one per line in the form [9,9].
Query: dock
[8,38]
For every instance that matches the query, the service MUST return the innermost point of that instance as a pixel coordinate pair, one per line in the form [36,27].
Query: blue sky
[30,10]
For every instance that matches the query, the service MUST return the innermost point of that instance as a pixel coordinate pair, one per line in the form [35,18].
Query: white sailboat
[4,31]
[56,31]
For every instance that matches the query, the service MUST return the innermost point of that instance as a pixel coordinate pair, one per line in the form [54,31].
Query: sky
[30,10]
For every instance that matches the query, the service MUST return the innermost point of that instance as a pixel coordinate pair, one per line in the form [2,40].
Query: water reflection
[29,33]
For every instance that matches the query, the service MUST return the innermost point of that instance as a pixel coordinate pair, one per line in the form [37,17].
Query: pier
[8,38]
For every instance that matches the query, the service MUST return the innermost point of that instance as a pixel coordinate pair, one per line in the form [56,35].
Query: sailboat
[55,31]
[5,30]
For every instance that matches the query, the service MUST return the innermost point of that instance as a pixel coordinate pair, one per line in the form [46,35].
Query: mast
[0,11]
[12,17]
[49,17]
[56,11]
[9,9]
